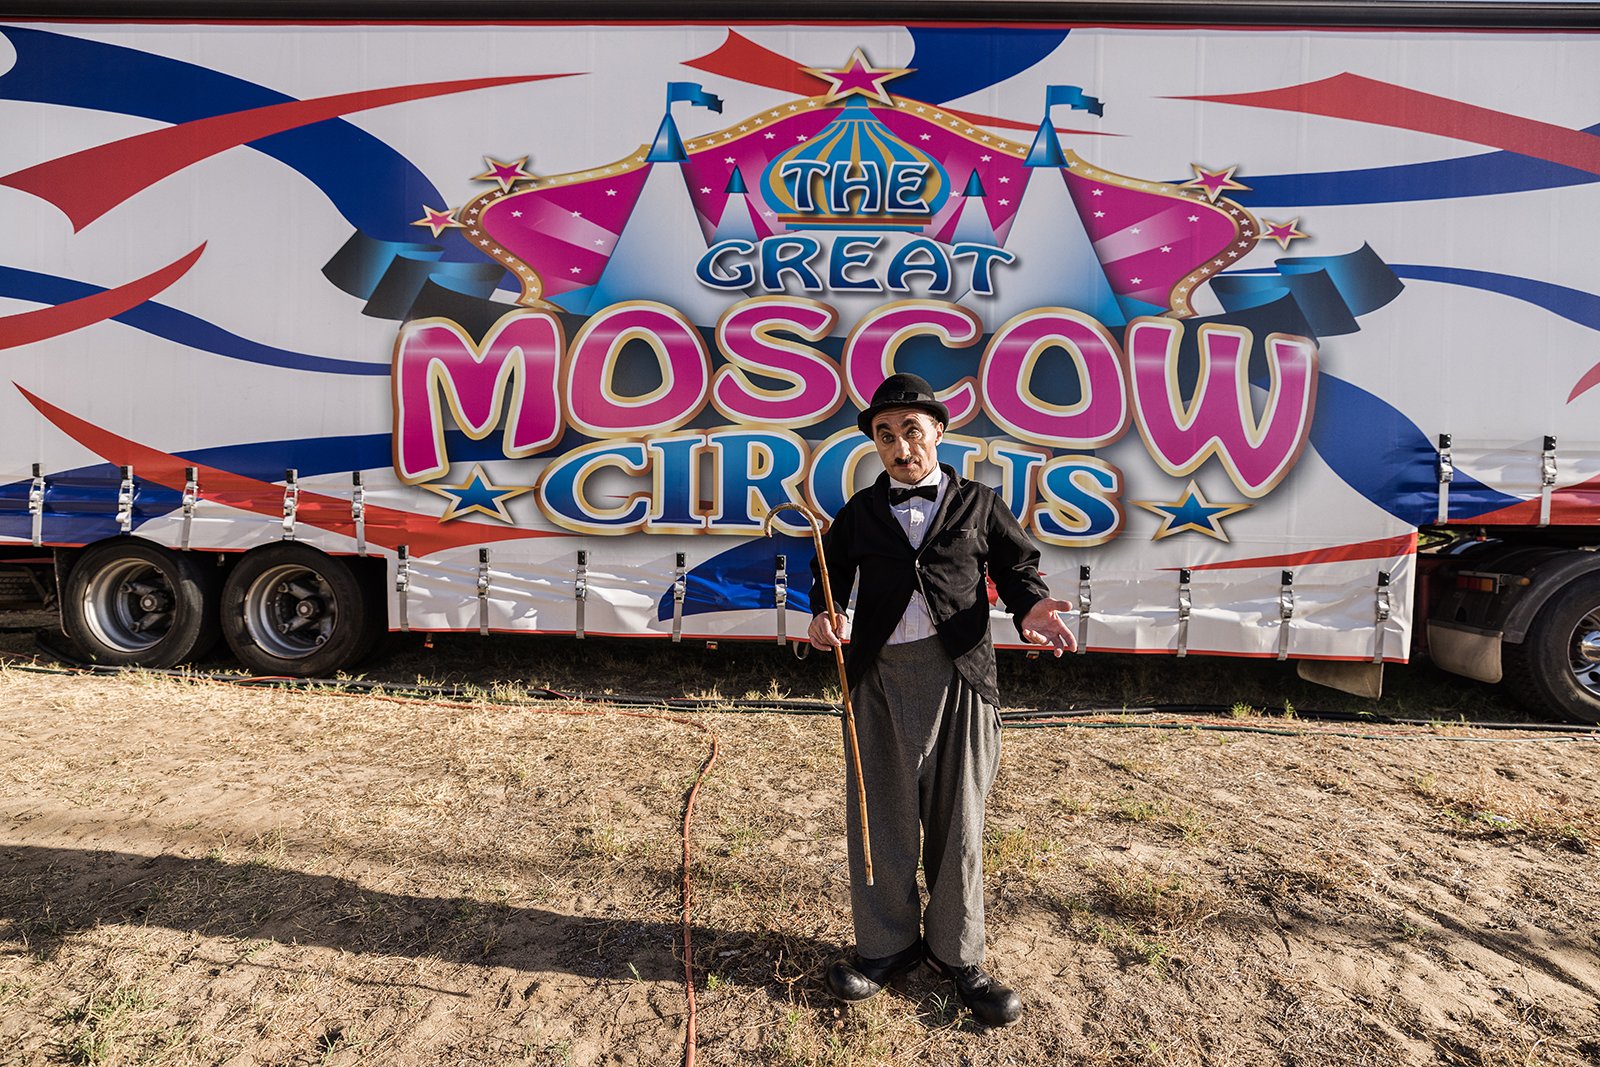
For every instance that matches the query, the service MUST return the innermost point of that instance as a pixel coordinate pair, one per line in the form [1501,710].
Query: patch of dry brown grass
[1486,804]
[189,874]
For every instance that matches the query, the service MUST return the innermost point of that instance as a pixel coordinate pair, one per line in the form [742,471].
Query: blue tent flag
[1074,97]
[695,94]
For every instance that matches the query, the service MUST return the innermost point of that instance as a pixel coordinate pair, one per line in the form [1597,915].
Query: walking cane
[838,656]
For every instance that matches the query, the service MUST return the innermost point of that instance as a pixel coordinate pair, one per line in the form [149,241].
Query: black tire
[288,609]
[1557,667]
[132,603]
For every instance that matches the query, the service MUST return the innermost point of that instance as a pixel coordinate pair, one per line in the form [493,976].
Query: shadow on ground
[47,895]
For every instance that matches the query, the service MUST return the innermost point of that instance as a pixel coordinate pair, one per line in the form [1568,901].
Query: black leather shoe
[990,1002]
[858,978]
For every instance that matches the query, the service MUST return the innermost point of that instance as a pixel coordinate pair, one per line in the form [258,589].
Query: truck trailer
[1274,325]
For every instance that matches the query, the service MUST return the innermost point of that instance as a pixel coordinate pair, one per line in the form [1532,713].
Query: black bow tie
[898,495]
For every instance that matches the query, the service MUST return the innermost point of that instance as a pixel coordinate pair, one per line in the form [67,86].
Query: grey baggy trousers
[930,748]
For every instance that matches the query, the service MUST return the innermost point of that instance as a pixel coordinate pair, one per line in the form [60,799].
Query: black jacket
[972,529]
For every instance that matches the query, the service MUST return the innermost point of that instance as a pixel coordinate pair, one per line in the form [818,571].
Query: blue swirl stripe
[1574,305]
[171,324]
[374,187]
[949,62]
[1381,454]
[1488,174]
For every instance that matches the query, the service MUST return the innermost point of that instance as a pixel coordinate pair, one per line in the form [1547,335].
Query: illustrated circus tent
[856,138]
[741,215]
[1056,262]
[662,241]
[966,217]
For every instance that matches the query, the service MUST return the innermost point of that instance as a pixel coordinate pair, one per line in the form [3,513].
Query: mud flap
[1469,651]
[1357,679]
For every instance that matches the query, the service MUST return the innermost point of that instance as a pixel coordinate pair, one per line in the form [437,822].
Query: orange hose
[691,1018]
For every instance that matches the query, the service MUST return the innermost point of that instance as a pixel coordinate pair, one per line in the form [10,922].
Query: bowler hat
[903,391]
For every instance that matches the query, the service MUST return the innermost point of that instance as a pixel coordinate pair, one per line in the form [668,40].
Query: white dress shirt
[915,515]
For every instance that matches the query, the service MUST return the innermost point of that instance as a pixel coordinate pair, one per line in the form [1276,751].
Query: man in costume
[921,669]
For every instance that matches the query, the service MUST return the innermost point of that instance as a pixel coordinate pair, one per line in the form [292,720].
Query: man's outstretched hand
[827,630]
[1042,626]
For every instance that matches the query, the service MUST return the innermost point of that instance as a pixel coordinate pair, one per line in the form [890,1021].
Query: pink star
[438,221]
[506,174]
[858,78]
[1214,182]
[1282,232]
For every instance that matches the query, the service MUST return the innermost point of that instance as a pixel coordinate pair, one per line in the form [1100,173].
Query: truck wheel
[288,609]
[1557,667]
[132,603]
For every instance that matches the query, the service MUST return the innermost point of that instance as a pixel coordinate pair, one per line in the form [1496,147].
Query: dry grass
[198,875]
[1496,803]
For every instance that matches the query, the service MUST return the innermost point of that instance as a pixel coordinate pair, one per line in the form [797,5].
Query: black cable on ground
[1099,717]
[1278,731]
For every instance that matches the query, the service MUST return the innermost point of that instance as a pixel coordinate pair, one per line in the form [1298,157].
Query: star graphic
[1191,511]
[858,78]
[1214,182]
[506,174]
[438,221]
[477,493]
[1282,232]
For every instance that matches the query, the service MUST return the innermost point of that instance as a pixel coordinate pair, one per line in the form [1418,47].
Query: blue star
[477,494]
[1191,512]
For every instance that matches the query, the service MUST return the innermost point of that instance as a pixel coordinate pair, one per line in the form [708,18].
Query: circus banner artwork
[551,318]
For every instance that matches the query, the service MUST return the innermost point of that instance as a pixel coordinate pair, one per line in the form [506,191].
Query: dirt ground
[193,873]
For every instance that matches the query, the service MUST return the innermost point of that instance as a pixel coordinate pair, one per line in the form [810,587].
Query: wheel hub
[128,605]
[290,611]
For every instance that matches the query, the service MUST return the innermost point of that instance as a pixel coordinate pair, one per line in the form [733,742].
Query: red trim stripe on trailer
[1382,548]
[423,534]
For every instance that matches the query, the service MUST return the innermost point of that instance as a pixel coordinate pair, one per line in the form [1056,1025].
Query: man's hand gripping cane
[826,631]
